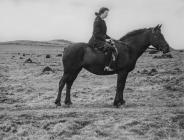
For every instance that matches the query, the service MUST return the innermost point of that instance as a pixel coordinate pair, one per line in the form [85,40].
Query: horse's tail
[73,56]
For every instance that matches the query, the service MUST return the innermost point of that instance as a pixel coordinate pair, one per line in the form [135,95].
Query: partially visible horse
[130,48]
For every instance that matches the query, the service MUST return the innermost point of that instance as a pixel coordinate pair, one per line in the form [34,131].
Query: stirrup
[107,68]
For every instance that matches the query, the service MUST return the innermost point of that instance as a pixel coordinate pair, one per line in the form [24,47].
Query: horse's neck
[138,44]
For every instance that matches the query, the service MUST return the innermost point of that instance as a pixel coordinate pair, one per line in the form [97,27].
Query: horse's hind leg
[61,86]
[69,83]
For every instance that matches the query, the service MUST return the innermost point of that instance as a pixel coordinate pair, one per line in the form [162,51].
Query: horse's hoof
[117,104]
[57,103]
[68,103]
[122,102]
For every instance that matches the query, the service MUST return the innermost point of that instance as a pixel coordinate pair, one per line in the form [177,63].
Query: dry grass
[154,107]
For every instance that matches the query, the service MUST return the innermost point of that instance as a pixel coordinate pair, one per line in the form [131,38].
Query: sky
[73,19]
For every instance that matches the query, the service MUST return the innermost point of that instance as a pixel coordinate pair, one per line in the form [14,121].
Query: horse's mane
[132,33]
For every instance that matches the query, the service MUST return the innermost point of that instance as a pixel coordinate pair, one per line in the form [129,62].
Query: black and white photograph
[91,69]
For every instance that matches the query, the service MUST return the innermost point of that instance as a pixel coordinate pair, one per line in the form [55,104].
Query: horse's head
[157,39]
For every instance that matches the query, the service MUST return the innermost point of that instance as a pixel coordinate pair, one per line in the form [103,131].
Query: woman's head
[103,12]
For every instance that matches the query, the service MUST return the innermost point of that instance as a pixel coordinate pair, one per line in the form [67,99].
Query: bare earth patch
[154,97]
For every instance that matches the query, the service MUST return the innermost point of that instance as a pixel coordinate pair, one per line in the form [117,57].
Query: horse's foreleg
[121,80]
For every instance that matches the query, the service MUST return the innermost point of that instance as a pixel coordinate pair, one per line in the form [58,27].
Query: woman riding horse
[79,55]
[98,39]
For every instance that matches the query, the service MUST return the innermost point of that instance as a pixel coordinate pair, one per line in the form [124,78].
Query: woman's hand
[111,41]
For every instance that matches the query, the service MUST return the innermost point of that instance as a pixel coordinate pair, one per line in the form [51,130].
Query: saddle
[109,48]
[104,48]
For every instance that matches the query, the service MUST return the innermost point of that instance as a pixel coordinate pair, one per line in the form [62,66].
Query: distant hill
[51,43]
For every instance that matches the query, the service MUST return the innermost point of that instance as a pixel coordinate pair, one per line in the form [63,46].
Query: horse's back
[74,47]
[78,55]
[80,49]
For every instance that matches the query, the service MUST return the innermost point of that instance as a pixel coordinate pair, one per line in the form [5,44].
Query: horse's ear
[160,26]
[155,28]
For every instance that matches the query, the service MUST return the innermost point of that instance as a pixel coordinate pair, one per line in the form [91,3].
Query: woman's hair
[101,11]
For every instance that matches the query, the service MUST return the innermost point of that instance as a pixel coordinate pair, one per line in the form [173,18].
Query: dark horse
[130,48]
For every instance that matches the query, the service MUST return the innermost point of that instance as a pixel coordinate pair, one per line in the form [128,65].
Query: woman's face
[105,14]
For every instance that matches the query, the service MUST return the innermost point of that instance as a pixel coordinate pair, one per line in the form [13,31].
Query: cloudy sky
[73,19]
